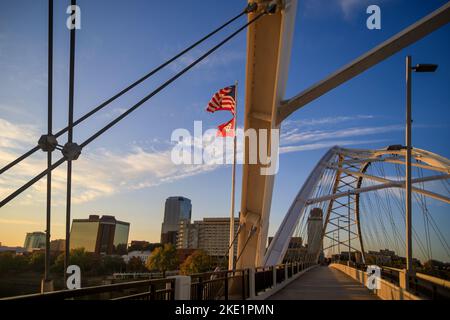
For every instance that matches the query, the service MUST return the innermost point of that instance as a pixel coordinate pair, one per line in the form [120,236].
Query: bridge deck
[323,283]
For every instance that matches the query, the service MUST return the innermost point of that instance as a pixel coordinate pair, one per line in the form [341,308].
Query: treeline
[90,263]
[162,259]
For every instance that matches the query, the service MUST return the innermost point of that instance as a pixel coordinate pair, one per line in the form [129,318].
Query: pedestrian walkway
[323,283]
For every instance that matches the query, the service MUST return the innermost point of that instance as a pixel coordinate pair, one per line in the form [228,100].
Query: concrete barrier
[182,287]
[387,291]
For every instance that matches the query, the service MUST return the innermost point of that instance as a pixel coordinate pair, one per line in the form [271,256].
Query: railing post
[152,292]
[226,286]
[169,295]
[252,283]
[243,284]
[274,276]
[403,279]
[182,287]
[200,289]
[286,272]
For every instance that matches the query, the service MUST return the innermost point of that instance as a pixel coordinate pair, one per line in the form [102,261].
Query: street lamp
[426,67]
[420,68]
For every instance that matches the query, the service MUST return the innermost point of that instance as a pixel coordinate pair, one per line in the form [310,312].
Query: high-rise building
[210,234]
[104,235]
[176,209]
[58,245]
[315,226]
[34,240]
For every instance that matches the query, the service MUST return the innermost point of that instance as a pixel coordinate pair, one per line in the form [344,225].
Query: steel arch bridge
[269,40]
[343,173]
[269,43]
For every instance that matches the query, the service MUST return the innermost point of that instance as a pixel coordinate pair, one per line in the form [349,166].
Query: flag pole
[233,183]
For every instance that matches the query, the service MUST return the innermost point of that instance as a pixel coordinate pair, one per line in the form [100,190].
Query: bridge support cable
[374,189]
[77,150]
[71,150]
[343,217]
[434,225]
[168,82]
[279,245]
[250,8]
[49,132]
[235,237]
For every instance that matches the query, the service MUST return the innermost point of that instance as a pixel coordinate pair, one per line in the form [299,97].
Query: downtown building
[34,241]
[104,235]
[210,234]
[176,210]
[295,251]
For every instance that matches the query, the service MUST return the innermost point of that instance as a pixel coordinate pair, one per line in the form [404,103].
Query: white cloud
[97,173]
[27,222]
[348,8]
[324,145]
[324,121]
[102,173]
[14,136]
[296,135]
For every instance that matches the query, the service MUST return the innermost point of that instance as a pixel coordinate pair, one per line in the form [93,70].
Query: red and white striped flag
[224,99]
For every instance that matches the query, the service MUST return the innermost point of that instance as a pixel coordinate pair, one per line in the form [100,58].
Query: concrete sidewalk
[323,283]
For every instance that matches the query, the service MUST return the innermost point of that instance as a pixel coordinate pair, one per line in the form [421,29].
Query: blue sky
[125,172]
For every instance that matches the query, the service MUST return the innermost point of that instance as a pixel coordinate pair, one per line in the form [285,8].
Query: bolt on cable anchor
[251,7]
[71,151]
[47,143]
[271,8]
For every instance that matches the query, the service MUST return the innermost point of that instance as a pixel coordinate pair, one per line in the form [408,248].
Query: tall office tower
[104,235]
[315,225]
[34,240]
[177,209]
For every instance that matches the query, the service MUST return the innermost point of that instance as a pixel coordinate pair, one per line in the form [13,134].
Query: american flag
[224,99]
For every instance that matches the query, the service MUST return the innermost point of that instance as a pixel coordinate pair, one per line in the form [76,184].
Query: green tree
[197,262]
[112,264]
[37,261]
[88,262]
[135,264]
[163,259]
[10,262]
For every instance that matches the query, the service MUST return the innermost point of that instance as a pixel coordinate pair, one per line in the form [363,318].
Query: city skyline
[130,176]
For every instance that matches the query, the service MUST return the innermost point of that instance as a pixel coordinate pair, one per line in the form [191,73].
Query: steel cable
[125,90]
[137,105]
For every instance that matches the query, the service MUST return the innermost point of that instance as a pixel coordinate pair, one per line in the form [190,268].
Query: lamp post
[408,200]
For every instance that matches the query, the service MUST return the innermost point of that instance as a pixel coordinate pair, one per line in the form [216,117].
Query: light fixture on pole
[420,68]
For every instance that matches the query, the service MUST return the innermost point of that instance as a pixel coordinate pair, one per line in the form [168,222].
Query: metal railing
[221,285]
[263,279]
[269,277]
[421,285]
[161,289]
[428,289]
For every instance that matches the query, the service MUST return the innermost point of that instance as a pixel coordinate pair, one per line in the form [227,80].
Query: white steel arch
[268,52]
[335,159]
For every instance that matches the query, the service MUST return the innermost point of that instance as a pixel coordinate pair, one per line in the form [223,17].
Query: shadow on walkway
[323,283]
